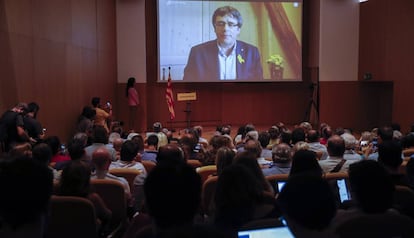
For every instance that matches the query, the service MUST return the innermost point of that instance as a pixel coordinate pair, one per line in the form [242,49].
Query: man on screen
[225,58]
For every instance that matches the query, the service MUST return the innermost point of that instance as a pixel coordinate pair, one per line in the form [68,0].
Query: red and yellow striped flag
[169,96]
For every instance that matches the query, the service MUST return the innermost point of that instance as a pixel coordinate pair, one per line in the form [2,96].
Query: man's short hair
[336,146]
[227,10]
[152,140]
[129,151]
[313,136]
[95,101]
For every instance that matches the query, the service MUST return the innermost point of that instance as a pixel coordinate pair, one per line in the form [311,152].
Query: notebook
[270,232]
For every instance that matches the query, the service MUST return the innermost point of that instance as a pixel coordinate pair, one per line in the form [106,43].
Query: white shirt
[227,64]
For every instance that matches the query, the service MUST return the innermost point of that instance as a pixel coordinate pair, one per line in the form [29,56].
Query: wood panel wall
[58,53]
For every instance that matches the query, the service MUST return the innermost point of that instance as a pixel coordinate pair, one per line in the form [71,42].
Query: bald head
[336,146]
[281,152]
[101,158]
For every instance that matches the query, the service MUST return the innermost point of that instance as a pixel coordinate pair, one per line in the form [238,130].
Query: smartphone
[108,104]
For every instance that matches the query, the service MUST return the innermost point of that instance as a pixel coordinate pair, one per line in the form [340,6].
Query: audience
[150,153]
[282,162]
[315,145]
[335,161]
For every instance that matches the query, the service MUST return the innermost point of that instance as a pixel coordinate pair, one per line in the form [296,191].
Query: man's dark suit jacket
[203,63]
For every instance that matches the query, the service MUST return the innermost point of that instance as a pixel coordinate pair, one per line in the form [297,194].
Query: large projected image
[228,41]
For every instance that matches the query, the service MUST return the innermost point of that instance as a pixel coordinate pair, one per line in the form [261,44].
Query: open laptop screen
[271,232]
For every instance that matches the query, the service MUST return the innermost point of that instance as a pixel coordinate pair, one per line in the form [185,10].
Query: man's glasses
[222,24]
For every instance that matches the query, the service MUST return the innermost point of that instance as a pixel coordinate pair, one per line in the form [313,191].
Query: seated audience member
[239,198]
[112,137]
[216,142]
[191,147]
[315,145]
[128,153]
[199,130]
[335,161]
[306,126]
[55,145]
[326,133]
[26,187]
[99,139]
[286,136]
[101,159]
[308,205]
[117,147]
[248,160]
[75,181]
[176,212]
[76,153]
[170,154]
[390,156]
[253,147]
[300,145]
[298,134]
[304,162]
[264,139]
[383,134]
[157,130]
[282,160]
[224,158]
[150,154]
[42,153]
[274,136]
[372,191]
[350,144]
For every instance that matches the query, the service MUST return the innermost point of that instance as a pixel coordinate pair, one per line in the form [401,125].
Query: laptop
[269,232]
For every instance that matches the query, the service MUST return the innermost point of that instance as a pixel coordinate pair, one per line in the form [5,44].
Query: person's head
[26,187]
[99,135]
[326,132]
[130,84]
[157,126]
[350,141]
[129,151]
[300,145]
[199,130]
[75,179]
[101,158]
[21,108]
[249,160]
[408,141]
[286,136]
[306,126]
[42,153]
[273,132]
[385,133]
[298,134]
[227,22]
[96,101]
[118,144]
[336,146]
[152,140]
[76,149]
[182,186]
[389,154]
[170,154]
[307,201]
[264,138]
[253,146]
[237,194]
[226,130]
[81,137]
[88,112]
[371,186]
[54,143]
[113,136]
[312,136]
[305,162]
[224,158]
[281,153]
[32,109]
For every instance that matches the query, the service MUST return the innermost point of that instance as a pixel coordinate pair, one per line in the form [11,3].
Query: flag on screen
[169,97]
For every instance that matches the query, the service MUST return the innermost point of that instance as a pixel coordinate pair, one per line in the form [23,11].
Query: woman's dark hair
[130,84]
[54,143]
[249,160]
[87,112]
[305,162]
[75,180]
[33,107]
[224,158]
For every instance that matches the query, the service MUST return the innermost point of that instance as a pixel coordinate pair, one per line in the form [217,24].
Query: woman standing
[133,102]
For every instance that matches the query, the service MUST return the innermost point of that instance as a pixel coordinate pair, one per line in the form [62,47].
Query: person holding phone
[224,58]
[102,116]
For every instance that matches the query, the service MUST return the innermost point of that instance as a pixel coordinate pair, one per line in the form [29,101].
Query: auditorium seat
[128,174]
